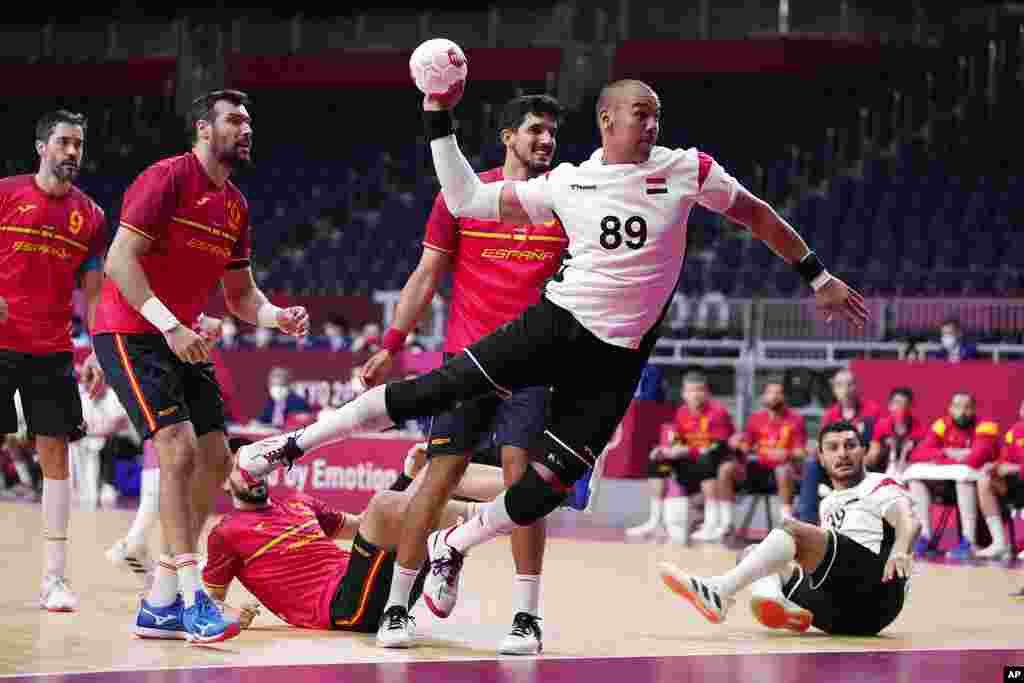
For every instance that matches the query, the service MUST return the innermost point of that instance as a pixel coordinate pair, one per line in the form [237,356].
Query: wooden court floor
[601,598]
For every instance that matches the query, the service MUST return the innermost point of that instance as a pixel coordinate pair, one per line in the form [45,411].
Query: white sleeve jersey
[626,225]
[859,513]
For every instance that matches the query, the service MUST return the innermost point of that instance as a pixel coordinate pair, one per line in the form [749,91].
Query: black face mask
[963,422]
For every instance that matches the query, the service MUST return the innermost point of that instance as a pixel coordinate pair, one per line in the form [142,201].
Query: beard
[228,154]
[65,172]
[534,168]
[254,495]
[964,422]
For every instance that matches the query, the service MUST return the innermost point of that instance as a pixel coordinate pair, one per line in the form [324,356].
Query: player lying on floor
[847,577]
[282,550]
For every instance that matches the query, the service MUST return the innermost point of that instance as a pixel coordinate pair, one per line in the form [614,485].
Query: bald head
[618,92]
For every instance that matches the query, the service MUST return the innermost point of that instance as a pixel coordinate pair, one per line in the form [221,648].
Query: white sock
[725,513]
[165,583]
[677,513]
[89,485]
[188,576]
[367,412]
[24,473]
[967,501]
[922,506]
[493,521]
[711,520]
[149,508]
[56,511]
[770,585]
[402,580]
[995,527]
[769,557]
[656,507]
[527,590]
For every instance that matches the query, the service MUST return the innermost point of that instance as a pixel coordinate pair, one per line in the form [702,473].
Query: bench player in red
[50,233]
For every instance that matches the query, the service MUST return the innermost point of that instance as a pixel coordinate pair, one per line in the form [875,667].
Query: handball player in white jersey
[847,577]
[625,213]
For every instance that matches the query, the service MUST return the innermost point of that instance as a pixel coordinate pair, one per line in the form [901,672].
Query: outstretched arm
[906,526]
[833,295]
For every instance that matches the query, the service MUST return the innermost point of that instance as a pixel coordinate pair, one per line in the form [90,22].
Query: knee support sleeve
[531,498]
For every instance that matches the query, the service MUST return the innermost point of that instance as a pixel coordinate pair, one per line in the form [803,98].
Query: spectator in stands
[849,407]
[702,430]
[956,447]
[283,402]
[895,436]
[337,334]
[954,347]
[368,339]
[770,446]
[229,339]
[264,338]
[1003,483]
[912,352]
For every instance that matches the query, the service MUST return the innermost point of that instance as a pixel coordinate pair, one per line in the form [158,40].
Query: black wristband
[438,124]
[809,267]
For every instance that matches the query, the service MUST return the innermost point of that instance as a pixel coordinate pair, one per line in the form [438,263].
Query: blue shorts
[489,422]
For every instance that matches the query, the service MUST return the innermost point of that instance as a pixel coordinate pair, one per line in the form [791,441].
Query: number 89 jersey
[626,225]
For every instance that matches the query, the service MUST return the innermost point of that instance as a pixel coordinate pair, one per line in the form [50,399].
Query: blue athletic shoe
[161,622]
[204,622]
[579,494]
[921,546]
[964,551]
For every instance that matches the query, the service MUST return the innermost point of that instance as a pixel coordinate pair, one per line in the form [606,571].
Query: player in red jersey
[702,429]
[184,229]
[282,550]
[498,271]
[772,441]
[1003,480]
[895,436]
[50,234]
[849,406]
[956,448]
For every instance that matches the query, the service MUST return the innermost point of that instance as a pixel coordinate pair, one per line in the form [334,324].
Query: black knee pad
[531,498]
[660,468]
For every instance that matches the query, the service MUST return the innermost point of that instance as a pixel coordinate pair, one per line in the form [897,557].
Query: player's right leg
[659,470]
[989,490]
[805,544]
[131,553]
[920,494]
[150,383]
[53,412]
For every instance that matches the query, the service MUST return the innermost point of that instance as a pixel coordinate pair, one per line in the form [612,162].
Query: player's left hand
[247,613]
[837,298]
[92,376]
[293,321]
[446,101]
[898,566]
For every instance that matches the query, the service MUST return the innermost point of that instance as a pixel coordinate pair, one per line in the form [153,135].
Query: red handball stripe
[704,168]
[393,340]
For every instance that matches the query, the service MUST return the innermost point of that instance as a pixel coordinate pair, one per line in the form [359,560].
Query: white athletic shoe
[525,638]
[259,459]
[647,528]
[397,628]
[56,595]
[1020,556]
[679,534]
[701,593]
[704,533]
[994,552]
[441,588]
[132,559]
[772,609]
[718,535]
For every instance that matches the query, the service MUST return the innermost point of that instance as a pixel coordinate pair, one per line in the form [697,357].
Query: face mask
[278,391]
[333,333]
[948,342]
[963,422]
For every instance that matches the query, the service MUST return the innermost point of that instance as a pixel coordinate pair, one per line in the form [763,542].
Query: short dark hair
[202,108]
[905,392]
[47,122]
[516,110]
[695,377]
[838,428]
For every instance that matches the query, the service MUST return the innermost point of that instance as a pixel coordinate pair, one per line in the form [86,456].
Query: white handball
[436,65]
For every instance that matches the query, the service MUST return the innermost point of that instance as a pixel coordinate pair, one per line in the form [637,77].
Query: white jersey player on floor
[624,212]
[848,576]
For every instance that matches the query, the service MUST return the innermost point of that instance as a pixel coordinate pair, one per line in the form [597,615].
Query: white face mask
[948,342]
[228,331]
[278,391]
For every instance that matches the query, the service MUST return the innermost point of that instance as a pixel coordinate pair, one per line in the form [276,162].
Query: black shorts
[157,388]
[845,593]
[592,381]
[49,394]
[759,479]
[362,595]
[1015,491]
[690,473]
[490,420]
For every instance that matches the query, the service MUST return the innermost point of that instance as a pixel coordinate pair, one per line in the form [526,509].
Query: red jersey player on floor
[50,233]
